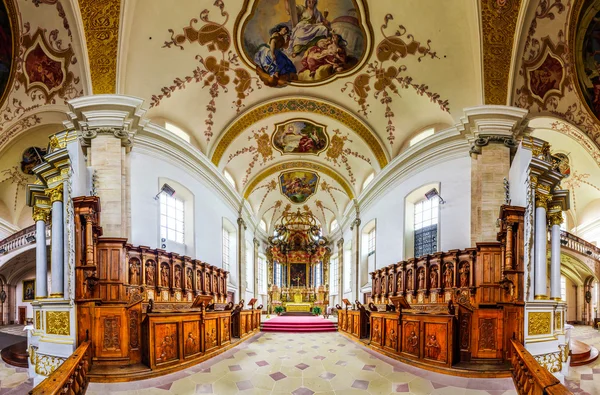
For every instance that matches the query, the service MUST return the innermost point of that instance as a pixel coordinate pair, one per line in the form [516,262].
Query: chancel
[299,196]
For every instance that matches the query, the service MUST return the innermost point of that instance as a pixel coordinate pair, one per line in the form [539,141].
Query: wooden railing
[575,243]
[530,377]
[70,377]
[19,239]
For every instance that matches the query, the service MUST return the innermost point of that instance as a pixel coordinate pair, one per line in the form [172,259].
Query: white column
[57,252]
[555,220]
[540,247]
[40,216]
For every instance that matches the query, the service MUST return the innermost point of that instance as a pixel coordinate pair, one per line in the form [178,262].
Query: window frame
[335,276]
[432,208]
[226,249]
[178,205]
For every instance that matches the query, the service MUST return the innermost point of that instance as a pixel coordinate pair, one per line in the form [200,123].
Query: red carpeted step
[298,324]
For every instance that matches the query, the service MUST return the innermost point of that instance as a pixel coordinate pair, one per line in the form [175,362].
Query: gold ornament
[541,200]
[55,194]
[539,323]
[58,323]
[38,320]
[41,214]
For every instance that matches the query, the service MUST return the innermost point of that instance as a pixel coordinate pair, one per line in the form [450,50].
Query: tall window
[319,274]
[563,288]
[335,276]
[226,249]
[371,242]
[249,266]
[262,276]
[426,222]
[171,218]
[347,264]
[277,274]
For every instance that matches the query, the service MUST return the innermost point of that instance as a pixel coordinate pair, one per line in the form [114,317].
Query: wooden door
[22,314]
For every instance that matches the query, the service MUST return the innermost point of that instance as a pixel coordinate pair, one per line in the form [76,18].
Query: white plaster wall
[454,177]
[209,209]
[571,300]
[19,297]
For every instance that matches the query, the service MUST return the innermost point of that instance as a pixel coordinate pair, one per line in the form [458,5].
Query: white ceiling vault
[200,66]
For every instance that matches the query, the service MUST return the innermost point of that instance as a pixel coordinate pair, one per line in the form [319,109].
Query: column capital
[55,194]
[41,214]
[555,218]
[116,115]
[486,124]
[541,200]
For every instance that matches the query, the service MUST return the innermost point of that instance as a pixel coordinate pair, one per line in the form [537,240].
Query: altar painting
[300,137]
[298,274]
[298,186]
[303,41]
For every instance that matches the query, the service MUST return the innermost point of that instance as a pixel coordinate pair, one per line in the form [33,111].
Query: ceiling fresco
[298,185]
[300,136]
[587,57]
[304,43]
[8,46]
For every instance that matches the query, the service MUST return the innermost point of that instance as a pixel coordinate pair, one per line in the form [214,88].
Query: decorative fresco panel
[300,136]
[8,47]
[588,60]
[298,186]
[303,41]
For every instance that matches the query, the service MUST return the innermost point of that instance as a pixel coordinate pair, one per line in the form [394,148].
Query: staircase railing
[530,377]
[70,377]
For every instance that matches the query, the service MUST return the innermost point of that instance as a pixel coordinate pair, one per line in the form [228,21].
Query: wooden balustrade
[70,377]
[529,376]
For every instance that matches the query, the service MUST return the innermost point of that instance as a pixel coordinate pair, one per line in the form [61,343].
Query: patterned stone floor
[305,364]
[13,380]
[14,330]
[585,379]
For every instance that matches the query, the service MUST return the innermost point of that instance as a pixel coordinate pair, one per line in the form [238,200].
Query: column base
[541,297]
[56,295]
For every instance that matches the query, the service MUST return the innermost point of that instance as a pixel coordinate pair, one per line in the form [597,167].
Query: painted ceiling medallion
[544,75]
[300,136]
[8,46]
[46,66]
[298,185]
[303,42]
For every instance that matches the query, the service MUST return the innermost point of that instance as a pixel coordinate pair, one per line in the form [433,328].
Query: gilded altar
[299,298]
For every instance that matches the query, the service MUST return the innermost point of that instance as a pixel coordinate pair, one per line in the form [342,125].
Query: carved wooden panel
[487,342]
[243,318]
[410,341]
[166,343]
[210,334]
[191,338]
[436,342]
[376,331]
[178,277]
[111,336]
[134,333]
[165,275]
[464,332]
[356,325]
[150,273]
[225,333]
[391,335]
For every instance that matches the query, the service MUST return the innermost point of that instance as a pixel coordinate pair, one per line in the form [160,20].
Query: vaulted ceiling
[302,124]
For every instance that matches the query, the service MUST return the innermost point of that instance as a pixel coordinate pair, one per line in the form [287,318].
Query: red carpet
[298,324]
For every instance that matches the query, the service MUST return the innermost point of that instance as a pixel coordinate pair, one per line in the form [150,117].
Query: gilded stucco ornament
[46,364]
[539,323]
[55,194]
[58,323]
[41,214]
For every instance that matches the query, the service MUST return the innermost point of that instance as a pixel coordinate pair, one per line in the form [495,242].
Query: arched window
[426,226]
[263,225]
[171,218]
[368,244]
[229,248]
[229,177]
[176,219]
[177,131]
[368,180]
[421,136]
[333,226]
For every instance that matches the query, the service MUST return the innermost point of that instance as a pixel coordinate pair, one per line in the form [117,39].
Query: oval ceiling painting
[303,42]
[7,47]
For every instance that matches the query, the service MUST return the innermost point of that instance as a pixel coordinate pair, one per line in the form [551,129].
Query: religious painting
[303,42]
[31,157]
[298,274]
[28,290]
[8,46]
[300,136]
[298,185]
[562,163]
[587,58]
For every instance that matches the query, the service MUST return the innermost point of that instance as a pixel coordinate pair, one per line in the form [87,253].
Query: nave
[304,364]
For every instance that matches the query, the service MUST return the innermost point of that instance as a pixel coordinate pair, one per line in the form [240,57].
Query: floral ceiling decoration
[60,11]
[578,136]
[261,151]
[388,77]
[270,187]
[217,73]
[338,153]
[303,44]
[329,189]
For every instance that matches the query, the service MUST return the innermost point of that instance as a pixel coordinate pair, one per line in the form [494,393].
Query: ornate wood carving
[150,273]
[134,338]
[465,331]
[411,338]
[134,271]
[111,339]
[166,342]
[487,334]
[376,331]
[210,334]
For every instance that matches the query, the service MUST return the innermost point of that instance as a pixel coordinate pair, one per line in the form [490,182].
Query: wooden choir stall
[147,311]
[454,312]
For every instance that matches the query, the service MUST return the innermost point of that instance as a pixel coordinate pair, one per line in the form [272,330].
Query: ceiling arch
[299,104]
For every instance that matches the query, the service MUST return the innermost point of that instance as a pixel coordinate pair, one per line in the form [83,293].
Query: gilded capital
[555,218]
[541,200]
[41,214]
[55,194]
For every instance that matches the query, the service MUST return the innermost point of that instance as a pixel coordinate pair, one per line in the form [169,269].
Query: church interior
[300,197]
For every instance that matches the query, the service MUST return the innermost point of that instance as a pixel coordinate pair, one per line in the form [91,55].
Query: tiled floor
[305,364]
[13,380]
[14,330]
[585,379]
